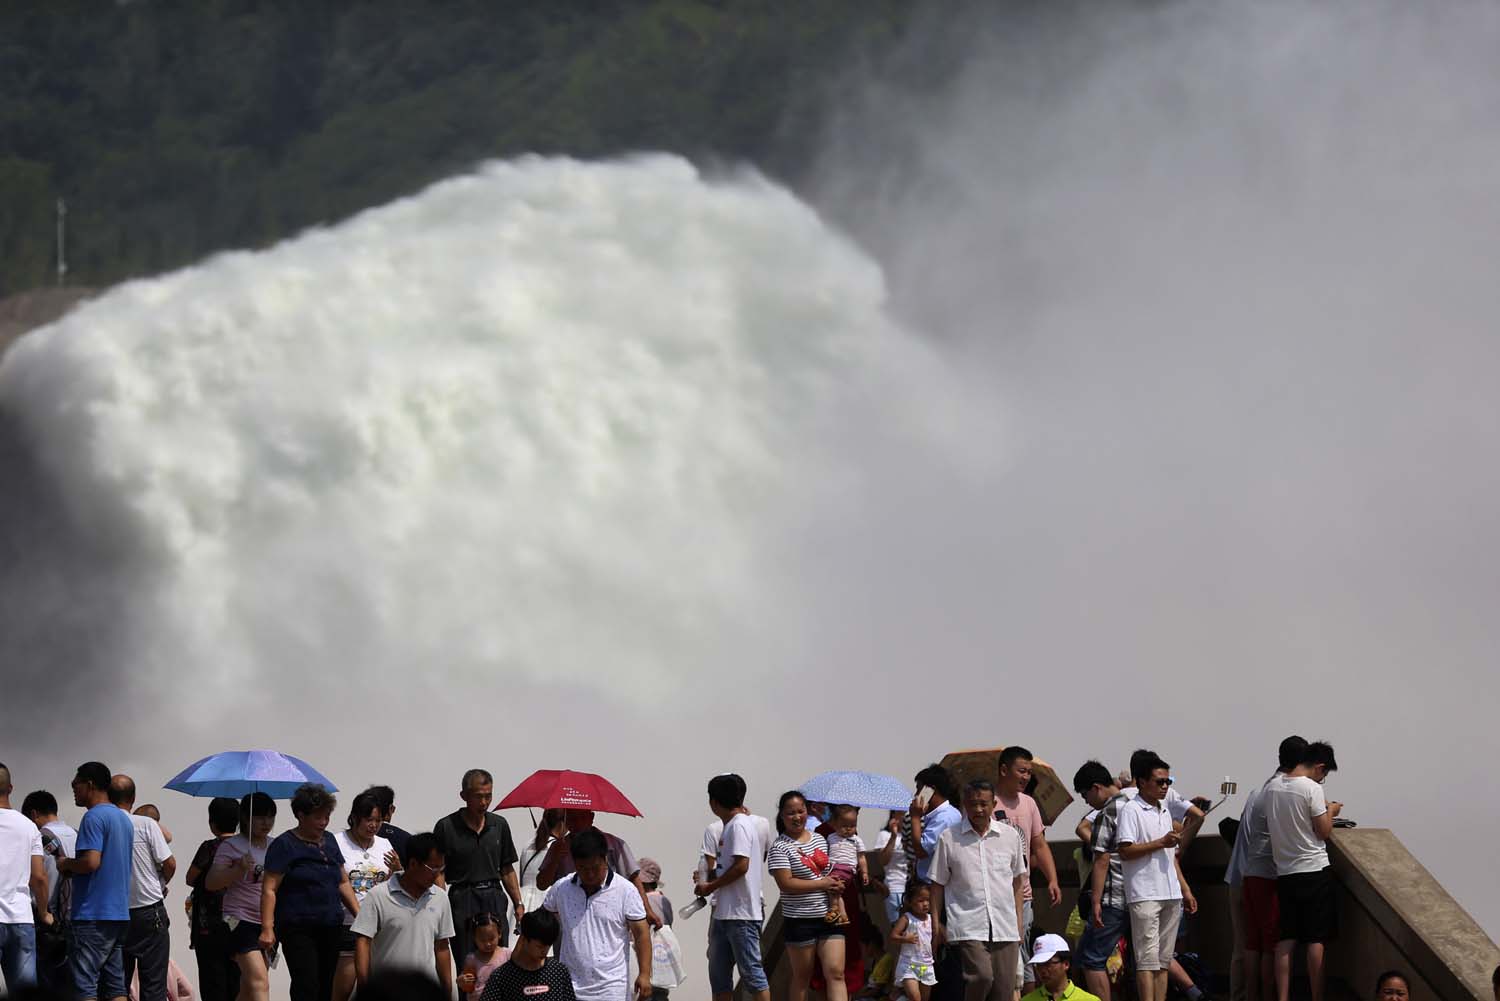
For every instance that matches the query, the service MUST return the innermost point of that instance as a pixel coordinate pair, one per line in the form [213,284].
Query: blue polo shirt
[310,877]
[104,894]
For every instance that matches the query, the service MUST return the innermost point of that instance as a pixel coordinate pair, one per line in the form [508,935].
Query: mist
[1157,411]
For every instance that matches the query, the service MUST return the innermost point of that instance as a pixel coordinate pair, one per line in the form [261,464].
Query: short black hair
[1320,753]
[1289,754]
[1090,774]
[385,796]
[541,926]
[1012,754]
[311,798]
[786,798]
[841,809]
[937,777]
[978,786]
[252,805]
[588,844]
[728,790]
[364,804]
[95,773]
[223,814]
[1398,975]
[419,847]
[476,776]
[1142,764]
[41,802]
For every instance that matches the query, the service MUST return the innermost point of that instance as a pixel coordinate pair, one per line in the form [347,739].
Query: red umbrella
[570,791]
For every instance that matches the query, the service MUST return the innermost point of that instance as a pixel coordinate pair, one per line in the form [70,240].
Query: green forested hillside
[177,127]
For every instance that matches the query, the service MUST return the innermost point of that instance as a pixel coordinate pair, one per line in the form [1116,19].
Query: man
[1154,884]
[1015,807]
[1105,914]
[602,915]
[1300,821]
[1050,961]
[1252,883]
[734,929]
[558,864]
[385,798]
[23,880]
[713,834]
[530,975]
[101,871]
[59,840]
[147,944]
[481,861]
[405,923]
[930,819]
[978,873]
[1187,812]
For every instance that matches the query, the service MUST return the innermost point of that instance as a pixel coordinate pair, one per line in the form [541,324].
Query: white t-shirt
[845,851]
[148,850]
[742,838]
[595,940]
[895,872]
[20,842]
[366,867]
[1290,804]
[1153,876]
[1177,804]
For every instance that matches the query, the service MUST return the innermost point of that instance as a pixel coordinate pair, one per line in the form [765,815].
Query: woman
[552,827]
[304,895]
[797,860]
[366,860]
[1392,986]
[237,870]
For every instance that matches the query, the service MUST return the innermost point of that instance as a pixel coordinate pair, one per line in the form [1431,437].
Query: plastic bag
[666,959]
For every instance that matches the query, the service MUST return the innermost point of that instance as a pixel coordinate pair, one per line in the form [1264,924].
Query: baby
[846,852]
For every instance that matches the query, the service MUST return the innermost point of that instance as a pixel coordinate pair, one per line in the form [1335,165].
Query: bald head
[122,792]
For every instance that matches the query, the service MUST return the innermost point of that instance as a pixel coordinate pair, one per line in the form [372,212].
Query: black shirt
[475,858]
[512,983]
[396,836]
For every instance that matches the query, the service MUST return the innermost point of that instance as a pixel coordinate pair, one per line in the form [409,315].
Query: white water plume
[538,422]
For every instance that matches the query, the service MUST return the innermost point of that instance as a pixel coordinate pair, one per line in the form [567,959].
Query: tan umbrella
[1051,793]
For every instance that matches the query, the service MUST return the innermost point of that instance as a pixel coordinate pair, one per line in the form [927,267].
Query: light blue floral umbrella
[864,789]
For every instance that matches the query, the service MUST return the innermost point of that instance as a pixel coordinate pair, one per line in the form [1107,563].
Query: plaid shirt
[1106,839]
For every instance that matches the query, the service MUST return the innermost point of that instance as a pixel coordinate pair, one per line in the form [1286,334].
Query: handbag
[666,959]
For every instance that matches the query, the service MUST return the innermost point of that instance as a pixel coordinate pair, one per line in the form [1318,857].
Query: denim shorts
[1096,944]
[98,961]
[806,931]
[734,944]
[18,955]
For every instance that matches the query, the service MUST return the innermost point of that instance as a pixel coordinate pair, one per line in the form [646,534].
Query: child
[913,930]
[487,956]
[847,853]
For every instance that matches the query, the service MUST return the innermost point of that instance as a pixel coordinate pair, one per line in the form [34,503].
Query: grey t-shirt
[403,932]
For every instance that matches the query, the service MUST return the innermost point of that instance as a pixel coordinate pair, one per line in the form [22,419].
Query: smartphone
[924,796]
[272,955]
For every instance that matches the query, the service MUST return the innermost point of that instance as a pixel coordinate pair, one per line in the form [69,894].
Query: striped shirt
[1106,839]
[805,860]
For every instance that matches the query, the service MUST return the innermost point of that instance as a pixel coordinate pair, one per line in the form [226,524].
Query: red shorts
[1261,913]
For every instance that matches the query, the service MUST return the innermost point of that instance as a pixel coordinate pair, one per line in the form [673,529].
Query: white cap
[1048,946]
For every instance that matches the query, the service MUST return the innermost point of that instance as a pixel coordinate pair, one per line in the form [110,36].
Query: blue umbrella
[235,773]
[867,789]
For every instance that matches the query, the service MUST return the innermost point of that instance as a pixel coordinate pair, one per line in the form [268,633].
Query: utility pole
[62,253]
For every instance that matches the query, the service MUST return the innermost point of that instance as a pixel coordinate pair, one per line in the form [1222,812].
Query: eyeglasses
[435,870]
[1162,782]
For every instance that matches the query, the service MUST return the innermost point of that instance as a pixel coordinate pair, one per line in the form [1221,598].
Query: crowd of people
[374,911]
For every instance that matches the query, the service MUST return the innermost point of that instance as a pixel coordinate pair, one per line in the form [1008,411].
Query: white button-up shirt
[978,875]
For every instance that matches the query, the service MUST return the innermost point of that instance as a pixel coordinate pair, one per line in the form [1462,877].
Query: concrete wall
[1392,914]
